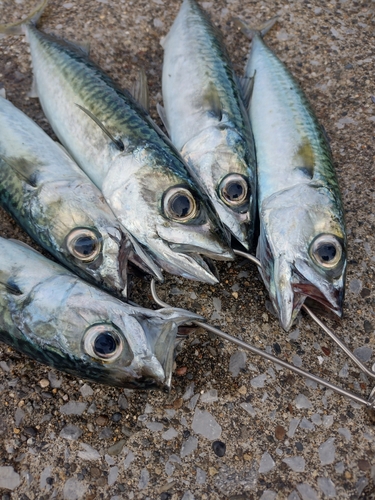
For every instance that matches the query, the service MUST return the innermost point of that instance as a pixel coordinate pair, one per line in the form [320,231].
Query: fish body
[140,174]
[207,120]
[58,319]
[302,244]
[58,205]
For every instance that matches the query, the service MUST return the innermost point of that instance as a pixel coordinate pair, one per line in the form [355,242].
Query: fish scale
[114,140]
[206,117]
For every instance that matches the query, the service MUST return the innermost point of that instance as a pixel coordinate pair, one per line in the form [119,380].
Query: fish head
[169,217]
[92,335]
[85,235]
[221,164]
[302,249]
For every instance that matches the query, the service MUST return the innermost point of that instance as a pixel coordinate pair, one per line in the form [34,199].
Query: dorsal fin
[247,85]
[140,90]
[163,117]
[9,284]
[117,142]
[24,168]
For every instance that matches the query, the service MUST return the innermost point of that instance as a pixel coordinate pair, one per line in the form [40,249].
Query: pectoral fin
[117,142]
[140,90]
[24,168]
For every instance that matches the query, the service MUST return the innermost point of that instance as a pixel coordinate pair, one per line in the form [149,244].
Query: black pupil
[181,205]
[85,245]
[234,191]
[327,252]
[105,344]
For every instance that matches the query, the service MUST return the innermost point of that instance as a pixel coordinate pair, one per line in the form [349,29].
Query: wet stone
[307,492]
[9,478]
[154,426]
[143,479]
[327,452]
[297,464]
[73,408]
[123,402]
[259,381]
[189,446]
[327,487]
[112,476]
[360,485]
[210,396]
[86,391]
[19,416]
[268,495]
[106,433]
[297,360]
[88,453]
[200,477]
[293,427]
[368,326]
[302,401]
[343,431]
[266,463]
[30,431]
[205,425]
[71,432]
[237,363]
[54,381]
[363,353]
[109,460]
[74,489]
[128,460]
[116,448]
[219,448]
[189,393]
[116,417]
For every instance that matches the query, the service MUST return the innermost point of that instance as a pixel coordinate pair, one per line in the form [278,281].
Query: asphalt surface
[61,437]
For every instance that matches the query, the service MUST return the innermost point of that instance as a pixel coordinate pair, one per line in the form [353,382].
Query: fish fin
[17,27]
[247,87]
[140,90]
[25,169]
[9,284]
[64,150]
[250,31]
[33,92]
[211,101]
[25,245]
[142,260]
[3,93]
[84,47]
[163,116]
[117,142]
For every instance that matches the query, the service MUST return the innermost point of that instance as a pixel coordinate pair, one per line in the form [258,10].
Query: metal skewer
[370,402]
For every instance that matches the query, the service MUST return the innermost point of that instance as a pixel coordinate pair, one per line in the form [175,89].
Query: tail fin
[250,31]
[17,28]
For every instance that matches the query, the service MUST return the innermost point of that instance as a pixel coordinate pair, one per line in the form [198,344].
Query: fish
[58,319]
[302,245]
[114,140]
[60,208]
[204,113]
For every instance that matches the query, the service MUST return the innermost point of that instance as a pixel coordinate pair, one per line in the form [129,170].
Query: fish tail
[251,31]
[18,27]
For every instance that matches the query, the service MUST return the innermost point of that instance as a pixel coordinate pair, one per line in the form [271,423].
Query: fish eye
[234,190]
[179,204]
[84,244]
[326,250]
[103,342]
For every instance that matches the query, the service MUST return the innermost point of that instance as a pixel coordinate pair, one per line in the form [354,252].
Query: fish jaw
[288,229]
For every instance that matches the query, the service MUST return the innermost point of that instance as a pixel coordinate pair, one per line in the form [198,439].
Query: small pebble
[306,492]
[259,381]
[302,401]
[242,390]
[9,478]
[177,403]
[169,434]
[219,448]
[102,420]
[71,432]
[327,451]
[189,446]
[73,408]
[327,487]
[116,448]
[86,391]
[364,464]
[280,432]
[266,463]
[181,371]
[44,383]
[297,464]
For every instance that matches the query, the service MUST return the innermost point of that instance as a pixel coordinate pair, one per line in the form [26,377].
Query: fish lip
[231,221]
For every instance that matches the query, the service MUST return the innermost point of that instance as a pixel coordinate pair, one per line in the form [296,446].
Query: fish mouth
[292,296]
[189,265]
[238,224]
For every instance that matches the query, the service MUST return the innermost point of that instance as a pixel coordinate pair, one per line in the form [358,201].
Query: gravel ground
[233,426]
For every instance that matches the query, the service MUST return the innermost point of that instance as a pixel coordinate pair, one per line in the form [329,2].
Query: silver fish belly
[58,319]
[58,205]
[140,174]
[207,120]
[302,245]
